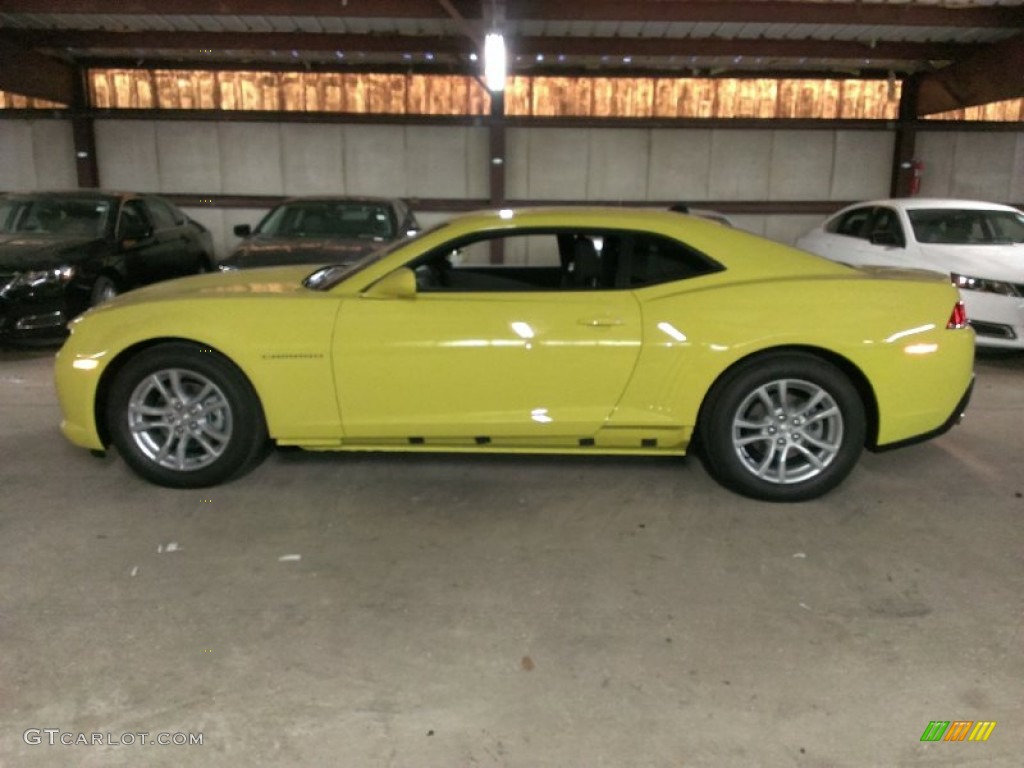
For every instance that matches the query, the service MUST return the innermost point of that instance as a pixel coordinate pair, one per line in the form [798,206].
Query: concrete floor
[510,611]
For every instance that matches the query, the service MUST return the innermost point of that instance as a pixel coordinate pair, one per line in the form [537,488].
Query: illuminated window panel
[385,94]
[457,95]
[1011,111]
[17,101]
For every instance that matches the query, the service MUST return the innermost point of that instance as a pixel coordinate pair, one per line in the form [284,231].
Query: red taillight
[958,319]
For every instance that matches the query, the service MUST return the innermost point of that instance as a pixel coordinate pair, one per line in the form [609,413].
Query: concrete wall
[984,166]
[36,154]
[635,165]
[638,164]
[195,157]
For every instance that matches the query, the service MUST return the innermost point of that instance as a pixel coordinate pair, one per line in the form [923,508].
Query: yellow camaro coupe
[598,331]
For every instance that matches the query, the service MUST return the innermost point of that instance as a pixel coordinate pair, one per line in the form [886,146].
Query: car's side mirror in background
[242,230]
[400,284]
[886,238]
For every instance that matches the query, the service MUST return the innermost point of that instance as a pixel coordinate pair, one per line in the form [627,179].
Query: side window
[558,260]
[134,220]
[540,250]
[654,260]
[409,224]
[521,261]
[161,214]
[885,228]
[852,223]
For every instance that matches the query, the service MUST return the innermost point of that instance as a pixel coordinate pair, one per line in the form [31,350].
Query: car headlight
[999,287]
[38,278]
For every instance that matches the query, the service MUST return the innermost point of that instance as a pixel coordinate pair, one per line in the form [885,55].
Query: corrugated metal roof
[55,33]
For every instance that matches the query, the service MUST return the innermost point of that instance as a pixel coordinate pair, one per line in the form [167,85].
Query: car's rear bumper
[954,418]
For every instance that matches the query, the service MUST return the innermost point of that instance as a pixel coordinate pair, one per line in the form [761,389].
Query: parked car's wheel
[185,417]
[788,427]
[104,289]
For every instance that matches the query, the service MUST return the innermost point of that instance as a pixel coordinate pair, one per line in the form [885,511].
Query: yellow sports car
[608,331]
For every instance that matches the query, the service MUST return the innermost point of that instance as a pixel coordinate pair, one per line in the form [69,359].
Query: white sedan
[980,245]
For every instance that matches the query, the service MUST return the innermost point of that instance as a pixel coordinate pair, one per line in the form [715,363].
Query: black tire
[104,289]
[786,427]
[185,417]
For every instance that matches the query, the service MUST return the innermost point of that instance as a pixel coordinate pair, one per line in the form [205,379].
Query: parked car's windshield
[325,278]
[953,226]
[83,217]
[331,219]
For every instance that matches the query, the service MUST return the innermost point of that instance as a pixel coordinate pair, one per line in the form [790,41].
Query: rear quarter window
[655,259]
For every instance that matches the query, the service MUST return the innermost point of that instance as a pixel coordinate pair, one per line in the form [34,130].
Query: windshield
[325,278]
[954,226]
[82,217]
[331,219]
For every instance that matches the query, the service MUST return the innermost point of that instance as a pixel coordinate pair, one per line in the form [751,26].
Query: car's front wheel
[185,417]
[788,427]
[104,289]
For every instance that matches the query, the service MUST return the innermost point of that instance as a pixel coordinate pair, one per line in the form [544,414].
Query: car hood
[270,282]
[270,251]
[994,262]
[24,251]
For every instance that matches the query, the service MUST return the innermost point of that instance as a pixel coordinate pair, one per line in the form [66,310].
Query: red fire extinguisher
[916,172]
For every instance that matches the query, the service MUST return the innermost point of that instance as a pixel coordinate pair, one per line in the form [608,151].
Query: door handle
[600,322]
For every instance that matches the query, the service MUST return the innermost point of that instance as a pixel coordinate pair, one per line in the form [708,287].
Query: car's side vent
[586,441]
[649,442]
[416,441]
[482,440]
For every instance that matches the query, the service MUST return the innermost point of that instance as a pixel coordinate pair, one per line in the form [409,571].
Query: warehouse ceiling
[964,52]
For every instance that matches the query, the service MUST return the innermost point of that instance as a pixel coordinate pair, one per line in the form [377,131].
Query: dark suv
[62,252]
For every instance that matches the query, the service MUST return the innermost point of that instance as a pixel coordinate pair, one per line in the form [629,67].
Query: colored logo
[958,730]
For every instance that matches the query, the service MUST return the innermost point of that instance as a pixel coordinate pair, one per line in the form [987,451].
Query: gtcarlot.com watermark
[56,737]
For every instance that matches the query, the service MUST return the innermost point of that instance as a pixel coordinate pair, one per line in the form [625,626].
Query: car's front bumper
[28,315]
[998,321]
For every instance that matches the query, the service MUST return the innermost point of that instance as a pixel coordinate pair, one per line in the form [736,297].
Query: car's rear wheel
[788,427]
[185,417]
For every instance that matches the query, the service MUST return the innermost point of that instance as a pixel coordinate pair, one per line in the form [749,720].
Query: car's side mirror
[886,238]
[242,230]
[400,284]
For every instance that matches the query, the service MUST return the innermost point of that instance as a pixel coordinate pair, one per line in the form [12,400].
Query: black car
[321,229]
[63,252]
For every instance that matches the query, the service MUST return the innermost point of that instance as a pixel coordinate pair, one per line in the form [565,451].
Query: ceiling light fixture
[495,61]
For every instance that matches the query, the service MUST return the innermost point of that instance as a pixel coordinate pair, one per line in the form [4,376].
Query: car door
[885,238]
[845,238]
[144,256]
[867,236]
[177,250]
[513,341]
